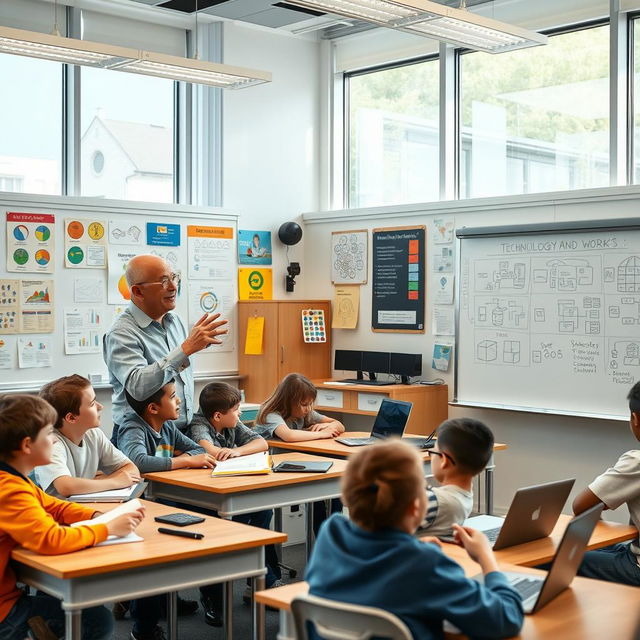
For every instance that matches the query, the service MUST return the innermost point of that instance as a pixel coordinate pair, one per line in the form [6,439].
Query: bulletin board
[62,280]
[398,292]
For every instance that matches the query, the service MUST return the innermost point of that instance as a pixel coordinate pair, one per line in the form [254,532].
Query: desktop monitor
[348,360]
[406,365]
[375,361]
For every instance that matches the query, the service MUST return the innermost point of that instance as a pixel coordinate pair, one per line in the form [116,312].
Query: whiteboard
[548,317]
[216,361]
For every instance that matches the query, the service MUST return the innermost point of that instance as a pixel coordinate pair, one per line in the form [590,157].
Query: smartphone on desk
[302,467]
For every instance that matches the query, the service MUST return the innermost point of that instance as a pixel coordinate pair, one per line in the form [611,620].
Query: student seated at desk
[462,450]
[618,485]
[35,520]
[375,560]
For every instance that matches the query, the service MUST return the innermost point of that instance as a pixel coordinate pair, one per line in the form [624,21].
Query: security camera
[293,270]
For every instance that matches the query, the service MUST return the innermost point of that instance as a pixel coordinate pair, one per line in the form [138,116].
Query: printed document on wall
[34,352]
[212,252]
[213,297]
[83,329]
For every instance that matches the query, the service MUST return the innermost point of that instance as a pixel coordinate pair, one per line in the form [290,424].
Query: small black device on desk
[182,534]
[303,466]
[179,519]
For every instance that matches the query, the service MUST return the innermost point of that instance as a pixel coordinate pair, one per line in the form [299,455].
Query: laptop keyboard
[526,587]
[492,534]
[354,441]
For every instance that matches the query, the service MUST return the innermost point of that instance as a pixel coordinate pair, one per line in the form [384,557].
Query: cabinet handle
[281,354]
[328,396]
[372,401]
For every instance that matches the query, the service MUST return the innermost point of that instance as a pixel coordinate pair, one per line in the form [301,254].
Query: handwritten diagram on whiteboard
[551,321]
[349,257]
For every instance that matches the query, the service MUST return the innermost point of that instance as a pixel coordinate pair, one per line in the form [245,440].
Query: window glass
[636,101]
[536,119]
[393,136]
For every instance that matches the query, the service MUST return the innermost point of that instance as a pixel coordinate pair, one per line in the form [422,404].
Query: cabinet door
[309,359]
[260,373]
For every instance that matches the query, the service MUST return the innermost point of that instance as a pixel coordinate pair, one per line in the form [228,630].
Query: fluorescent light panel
[426,18]
[104,56]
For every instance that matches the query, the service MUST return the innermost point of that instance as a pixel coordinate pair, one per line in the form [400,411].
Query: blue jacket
[416,581]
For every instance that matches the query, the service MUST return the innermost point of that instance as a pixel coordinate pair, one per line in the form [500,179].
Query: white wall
[271,139]
[541,447]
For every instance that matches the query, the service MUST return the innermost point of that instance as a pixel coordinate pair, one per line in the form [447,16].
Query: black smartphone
[179,519]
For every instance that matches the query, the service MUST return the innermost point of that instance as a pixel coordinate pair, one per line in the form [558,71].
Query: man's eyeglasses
[441,453]
[174,278]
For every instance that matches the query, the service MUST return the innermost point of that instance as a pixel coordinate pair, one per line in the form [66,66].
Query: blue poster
[254,247]
[163,235]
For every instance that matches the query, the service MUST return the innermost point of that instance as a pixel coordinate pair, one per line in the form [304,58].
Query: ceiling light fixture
[105,56]
[433,20]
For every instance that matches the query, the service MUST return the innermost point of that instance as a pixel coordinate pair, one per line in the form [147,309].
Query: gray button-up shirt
[143,355]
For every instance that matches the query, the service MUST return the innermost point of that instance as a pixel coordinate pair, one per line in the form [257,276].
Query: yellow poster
[255,284]
[255,333]
[346,306]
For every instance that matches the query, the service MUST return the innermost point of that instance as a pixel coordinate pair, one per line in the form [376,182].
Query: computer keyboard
[492,534]
[356,441]
[421,443]
[526,587]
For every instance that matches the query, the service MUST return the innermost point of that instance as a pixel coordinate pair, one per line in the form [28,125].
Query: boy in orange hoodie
[33,519]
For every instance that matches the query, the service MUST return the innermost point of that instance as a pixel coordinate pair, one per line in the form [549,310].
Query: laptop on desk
[533,513]
[537,591]
[391,420]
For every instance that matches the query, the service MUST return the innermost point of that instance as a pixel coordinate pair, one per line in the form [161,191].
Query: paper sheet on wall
[9,306]
[443,260]
[212,253]
[441,356]
[443,323]
[125,233]
[30,242]
[85,243]
[88,290]
[36,306]
[442,288]
[346,307]
[255,335]
[7,346]
[117,288]
[34,352]
[213,297]
[83,330]
[442,230]
[313,326]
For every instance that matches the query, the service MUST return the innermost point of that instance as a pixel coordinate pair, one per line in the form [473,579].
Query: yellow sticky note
[255,332]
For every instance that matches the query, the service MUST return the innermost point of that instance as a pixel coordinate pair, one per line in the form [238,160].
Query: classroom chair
[342,621]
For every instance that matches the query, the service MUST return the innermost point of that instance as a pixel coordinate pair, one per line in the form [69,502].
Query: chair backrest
[342,621]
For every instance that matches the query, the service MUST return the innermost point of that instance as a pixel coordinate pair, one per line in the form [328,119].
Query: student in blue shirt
[375,560]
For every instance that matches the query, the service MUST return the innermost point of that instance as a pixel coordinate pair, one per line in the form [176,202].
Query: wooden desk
[330,447]
[244,494]
[430,402]
[158,564]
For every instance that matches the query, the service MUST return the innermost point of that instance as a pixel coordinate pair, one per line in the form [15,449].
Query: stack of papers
[104,518]
[112,495]
[255,463]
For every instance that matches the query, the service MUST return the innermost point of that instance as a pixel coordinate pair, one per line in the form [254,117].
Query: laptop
[533,513]
[537,591]
[391,420]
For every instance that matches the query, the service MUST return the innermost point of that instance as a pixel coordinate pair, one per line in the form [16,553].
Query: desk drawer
[370,401]
[330,398]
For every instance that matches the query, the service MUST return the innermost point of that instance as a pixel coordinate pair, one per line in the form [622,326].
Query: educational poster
[442,288]
[346,307]
[9,306]
[313,327]
[85,244]
[34,352]
[443,260]
[87,290]
[254,247]
[255,284]
[349,255]
[83,329]
[163,235]
[171,256]
[36,306]
[398,292]
[211,252]
[6,358]
[442,230]
[125,233]
[441,356]
[117,287]
[215,297]
[30,242]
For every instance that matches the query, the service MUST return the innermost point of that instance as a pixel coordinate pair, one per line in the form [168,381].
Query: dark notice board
[398,279]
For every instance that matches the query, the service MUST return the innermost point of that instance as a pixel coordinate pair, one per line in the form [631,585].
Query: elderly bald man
[147,346]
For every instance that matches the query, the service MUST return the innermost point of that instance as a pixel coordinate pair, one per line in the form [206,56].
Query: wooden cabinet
[283,348]
[430,403]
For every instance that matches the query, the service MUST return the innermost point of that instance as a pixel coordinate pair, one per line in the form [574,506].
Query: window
[636,100]
[127,142]
[536,119]
[30,124]
[393,135]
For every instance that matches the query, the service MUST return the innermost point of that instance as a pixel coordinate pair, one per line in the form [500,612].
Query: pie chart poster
[30,242]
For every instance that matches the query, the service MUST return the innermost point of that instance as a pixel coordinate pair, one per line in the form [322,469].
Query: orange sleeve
[30,518]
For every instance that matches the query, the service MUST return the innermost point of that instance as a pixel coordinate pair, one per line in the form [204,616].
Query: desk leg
[258,584]
[277,526]
[228,610]
[172,615]
[308,508]
[73,625]
[488,489]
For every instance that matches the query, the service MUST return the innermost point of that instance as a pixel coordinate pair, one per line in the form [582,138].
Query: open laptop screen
[391,419]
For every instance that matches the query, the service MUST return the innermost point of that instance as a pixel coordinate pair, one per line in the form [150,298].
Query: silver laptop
[537,591]
[533,513]
[391,420]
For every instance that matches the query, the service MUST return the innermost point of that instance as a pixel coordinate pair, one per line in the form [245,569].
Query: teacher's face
[156,292]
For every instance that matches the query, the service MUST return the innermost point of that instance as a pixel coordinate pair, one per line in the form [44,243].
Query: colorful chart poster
[34,352]
[125,233]
[85,244]
[6,358]
[214,297]
[163,235]
[30,242]
[9,306]
[36,306]
[255,284]
[313,327]
[254,247]
[117,287]
[211,252]
[83,329]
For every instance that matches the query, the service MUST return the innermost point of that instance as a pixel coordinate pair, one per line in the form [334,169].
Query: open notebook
[111,495]
[255,463]
[103,518]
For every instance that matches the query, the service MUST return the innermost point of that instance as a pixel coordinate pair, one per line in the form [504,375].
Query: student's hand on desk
[126,523]
[477,545]
[331,431]
[123,478]
[318,426]
[205,460]
[204,333]
[225,454]
[431,540]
